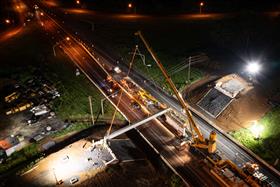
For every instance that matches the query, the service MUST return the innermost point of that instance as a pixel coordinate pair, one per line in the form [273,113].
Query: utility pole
[142,56]
[92,25]
[102,106]
[189,70]
[201,4]
[91,112]
[54,46]
[57,43]
[56,181]
[102,101]
[276,162]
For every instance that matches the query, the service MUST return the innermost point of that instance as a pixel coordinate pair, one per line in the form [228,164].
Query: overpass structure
[155,134]
[137,124]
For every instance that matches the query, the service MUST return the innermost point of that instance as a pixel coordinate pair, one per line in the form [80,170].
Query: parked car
[33,119]
[65,159]
[74,180]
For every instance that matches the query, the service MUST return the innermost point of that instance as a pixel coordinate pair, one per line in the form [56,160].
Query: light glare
[253,67]
[7,21]
[256,129]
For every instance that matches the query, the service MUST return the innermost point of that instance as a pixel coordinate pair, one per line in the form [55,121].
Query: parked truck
[20,107]
[13,96]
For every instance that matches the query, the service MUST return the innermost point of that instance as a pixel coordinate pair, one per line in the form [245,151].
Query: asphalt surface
[155,132]
[225,145]
[229,149]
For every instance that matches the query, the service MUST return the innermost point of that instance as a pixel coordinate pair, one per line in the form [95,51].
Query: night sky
[179,6]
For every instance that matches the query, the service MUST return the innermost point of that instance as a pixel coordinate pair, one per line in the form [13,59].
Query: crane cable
[119,100]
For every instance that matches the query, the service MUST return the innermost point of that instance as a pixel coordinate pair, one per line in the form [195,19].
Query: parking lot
[25,115]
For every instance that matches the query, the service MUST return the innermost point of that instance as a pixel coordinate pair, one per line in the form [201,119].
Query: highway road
[154,131]
[226,145]
[184,163]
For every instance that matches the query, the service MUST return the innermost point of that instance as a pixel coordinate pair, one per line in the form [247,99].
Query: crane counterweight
[219,166]
[200,141]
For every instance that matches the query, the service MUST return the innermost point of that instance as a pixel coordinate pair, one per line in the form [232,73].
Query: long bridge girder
[137,124]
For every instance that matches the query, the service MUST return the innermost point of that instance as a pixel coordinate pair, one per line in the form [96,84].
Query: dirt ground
[65,164]
[125,174]
[241,113]
[249,105]
[130,172]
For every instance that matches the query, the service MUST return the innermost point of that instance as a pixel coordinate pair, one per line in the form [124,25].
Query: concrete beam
[137,124]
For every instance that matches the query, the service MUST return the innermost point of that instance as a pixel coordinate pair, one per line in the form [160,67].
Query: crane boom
[173,87]
[219,165]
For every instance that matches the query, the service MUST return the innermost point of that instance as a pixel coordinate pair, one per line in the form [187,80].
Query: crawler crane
[218,166]
[198,141]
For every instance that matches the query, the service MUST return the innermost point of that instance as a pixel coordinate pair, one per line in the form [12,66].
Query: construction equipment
[13,96]
[51,90]
[40,110]
[19,108]
[145,96]
[225,171]
[149,99]
[228,174]
[198,140]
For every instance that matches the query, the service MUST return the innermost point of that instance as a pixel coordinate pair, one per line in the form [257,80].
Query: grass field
[180,78]
[74,102]
[72,128]
[171,53]
[29,152]
[169,43]
[267,146]
[229,41]
[21,63]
